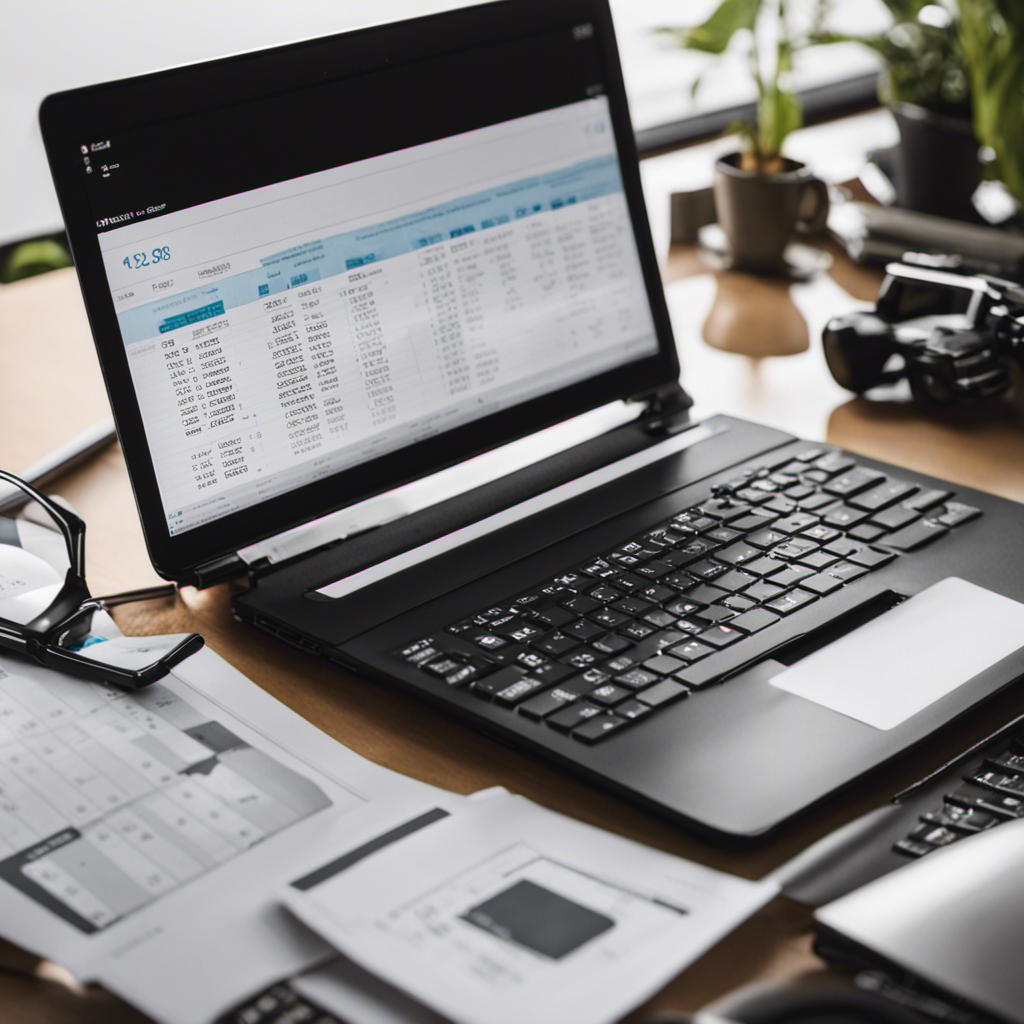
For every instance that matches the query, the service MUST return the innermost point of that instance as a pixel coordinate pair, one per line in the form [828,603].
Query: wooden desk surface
[729,329]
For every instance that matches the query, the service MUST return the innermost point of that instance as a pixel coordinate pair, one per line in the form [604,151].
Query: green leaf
[714,35]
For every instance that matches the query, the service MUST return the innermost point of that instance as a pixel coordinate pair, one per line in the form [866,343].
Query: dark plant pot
[938,166]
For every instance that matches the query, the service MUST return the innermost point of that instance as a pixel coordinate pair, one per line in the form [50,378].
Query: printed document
[499,912]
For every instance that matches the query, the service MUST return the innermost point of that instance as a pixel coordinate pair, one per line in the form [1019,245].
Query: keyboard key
[724,509]
[630,582]
[573,716]
[794,574]
[556,644]
[817,501]
[654,569]
[706,570]
[655,593]
[608,695]
[927,499]
[583,630]
[843,547]
[609,618]
[611,644]
[781,504]
[498,681]
[598,727]
[933,835]
[752,621]
[999,781]
[604,594]
[661,618]
[735,580]
[692,651]
[636,678]
[821,533]
[632,710]
[739,603]
[684,606]
[853,481]
[442,666]
[720,636]
[795,547]
[791,601]
[846,571]
[462,675]
[554,616]
[583,682]
[419,653]
[691,551]
[637,630]
[580,604]
[822,583]
[796,523]
[870,558]
[843,516]
[963,819]
[583,659]
[956,513]
[551,672]
[867,532]
[663,664]
[714,613]
[834,462]
[762,592]
[916,535]
[912,848]
[632,606]
[737,554]
[974,797]
[518,691]
[489,642]
[883,495]
[895,517]
[819,560]
[755,521]
[663,693]
[766,538]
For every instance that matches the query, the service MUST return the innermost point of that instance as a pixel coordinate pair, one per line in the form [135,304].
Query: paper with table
[500,911]
[146,839]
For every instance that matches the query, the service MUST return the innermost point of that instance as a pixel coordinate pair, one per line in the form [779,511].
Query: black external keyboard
[992,791]
[600,645]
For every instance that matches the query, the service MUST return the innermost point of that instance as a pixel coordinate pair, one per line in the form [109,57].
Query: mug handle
[817,220]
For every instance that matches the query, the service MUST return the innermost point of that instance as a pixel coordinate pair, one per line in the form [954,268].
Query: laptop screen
[318,270]
[278,335]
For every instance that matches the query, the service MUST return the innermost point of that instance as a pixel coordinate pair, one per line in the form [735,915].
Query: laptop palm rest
[894,666]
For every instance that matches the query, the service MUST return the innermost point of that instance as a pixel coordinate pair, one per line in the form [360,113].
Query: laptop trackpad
[923,649]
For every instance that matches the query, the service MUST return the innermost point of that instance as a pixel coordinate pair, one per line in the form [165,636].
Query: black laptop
[321,271]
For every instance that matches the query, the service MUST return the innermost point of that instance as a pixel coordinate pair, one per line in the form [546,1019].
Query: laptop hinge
[667,409]
[217,571]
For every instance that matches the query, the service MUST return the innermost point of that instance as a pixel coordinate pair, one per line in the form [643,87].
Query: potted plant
[992,34]
[760,195]
[927,86]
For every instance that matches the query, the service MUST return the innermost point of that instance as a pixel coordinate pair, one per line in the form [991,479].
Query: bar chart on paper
[109,801]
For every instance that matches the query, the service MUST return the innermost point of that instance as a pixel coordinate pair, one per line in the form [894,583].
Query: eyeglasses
[58,634]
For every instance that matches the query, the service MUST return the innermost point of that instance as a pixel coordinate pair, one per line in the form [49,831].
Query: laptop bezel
[69,117]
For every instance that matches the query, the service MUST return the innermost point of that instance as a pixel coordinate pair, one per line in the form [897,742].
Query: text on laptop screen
[278,335]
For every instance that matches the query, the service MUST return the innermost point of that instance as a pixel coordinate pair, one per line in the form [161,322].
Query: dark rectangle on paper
[539,919]
[335,867]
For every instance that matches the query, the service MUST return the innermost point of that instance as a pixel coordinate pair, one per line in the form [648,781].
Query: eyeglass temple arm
[70,524]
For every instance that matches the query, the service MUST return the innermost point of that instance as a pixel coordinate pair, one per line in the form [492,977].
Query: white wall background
[50,45]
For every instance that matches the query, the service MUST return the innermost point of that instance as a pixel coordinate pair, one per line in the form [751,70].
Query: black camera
[951,336]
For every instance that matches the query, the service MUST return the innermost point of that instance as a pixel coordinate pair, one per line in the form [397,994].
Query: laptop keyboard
[606,643]
[993,792]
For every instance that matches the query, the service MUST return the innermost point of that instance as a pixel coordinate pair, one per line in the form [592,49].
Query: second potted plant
[761,197]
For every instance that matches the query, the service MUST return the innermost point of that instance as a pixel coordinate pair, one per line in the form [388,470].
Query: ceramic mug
[760,212]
